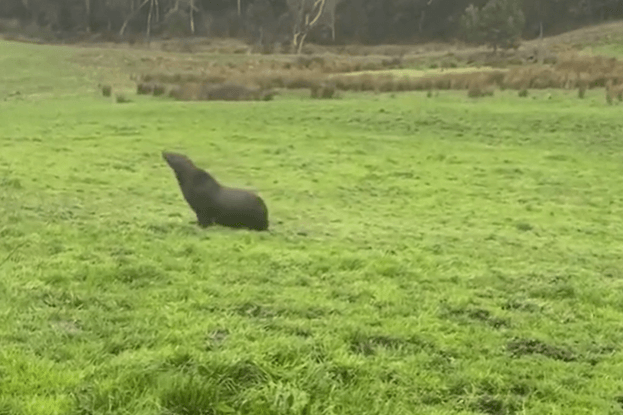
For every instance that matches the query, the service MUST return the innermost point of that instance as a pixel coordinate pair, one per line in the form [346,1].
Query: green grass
[609,49]
[436,255]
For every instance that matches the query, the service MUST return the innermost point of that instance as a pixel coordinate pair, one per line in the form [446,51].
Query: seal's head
[181,165]
[176,160]
[185,170]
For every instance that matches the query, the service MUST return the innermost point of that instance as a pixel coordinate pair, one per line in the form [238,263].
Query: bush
[106,90]
[499,23]
[477,90]
[144,88]
[324,91]
[608,97]
[267,95]
[569,72]
[158,90]
[192,91]
[229,92]
[582,91]
[122,99]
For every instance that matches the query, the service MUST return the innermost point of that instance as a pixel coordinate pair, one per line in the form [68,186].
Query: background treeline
[279,21]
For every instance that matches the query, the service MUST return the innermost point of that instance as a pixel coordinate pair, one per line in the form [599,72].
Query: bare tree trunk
[127,20]
[87,6]
[304,25]
[192,19]
[239,8]
[589,6]
[423,16]
[333,25]
[157,11]
[151,10]
[300,48]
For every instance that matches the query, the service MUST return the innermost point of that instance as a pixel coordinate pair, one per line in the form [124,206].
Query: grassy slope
[418,245]
[602,39]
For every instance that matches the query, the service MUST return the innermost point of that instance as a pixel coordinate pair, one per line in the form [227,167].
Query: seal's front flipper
[205,222]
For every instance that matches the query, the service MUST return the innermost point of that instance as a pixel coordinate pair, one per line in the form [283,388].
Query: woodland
[291,22]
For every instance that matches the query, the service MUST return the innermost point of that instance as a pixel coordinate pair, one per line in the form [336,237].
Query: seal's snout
[168,157]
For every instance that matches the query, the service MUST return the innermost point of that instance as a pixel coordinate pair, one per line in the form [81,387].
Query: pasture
[427,255]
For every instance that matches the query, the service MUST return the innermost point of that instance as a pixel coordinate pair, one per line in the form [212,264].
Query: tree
[306,14]
[499,23]
[327,18]
[261,21]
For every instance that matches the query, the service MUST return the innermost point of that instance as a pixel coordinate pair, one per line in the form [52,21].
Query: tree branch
[130,17]
[192,19]
[302,29]
[151,9]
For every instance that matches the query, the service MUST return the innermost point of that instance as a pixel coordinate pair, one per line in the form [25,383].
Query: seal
[214,203]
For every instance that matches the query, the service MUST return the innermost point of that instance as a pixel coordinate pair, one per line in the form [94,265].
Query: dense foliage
[270,21]
[498,23]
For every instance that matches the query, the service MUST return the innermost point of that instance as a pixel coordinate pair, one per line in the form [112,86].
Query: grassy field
[438,255]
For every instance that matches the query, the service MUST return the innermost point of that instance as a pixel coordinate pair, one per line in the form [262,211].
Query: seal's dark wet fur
[214,203]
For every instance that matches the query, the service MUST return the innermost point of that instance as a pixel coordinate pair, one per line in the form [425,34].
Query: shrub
[106,90]
[324,91]
[122,99]
[475,90]
[614,90]
[582,91]
[144,88]
[478,88]
[158,90]
[267,95]
[499,23]
[219,92]
[523,92]
[313,73]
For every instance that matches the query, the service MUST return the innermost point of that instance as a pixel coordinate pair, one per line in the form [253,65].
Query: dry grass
[571,71]
[324,91]
[614,91]
[477,89]
[193,91]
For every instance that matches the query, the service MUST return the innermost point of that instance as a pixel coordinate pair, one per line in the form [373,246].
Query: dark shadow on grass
[521,347]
